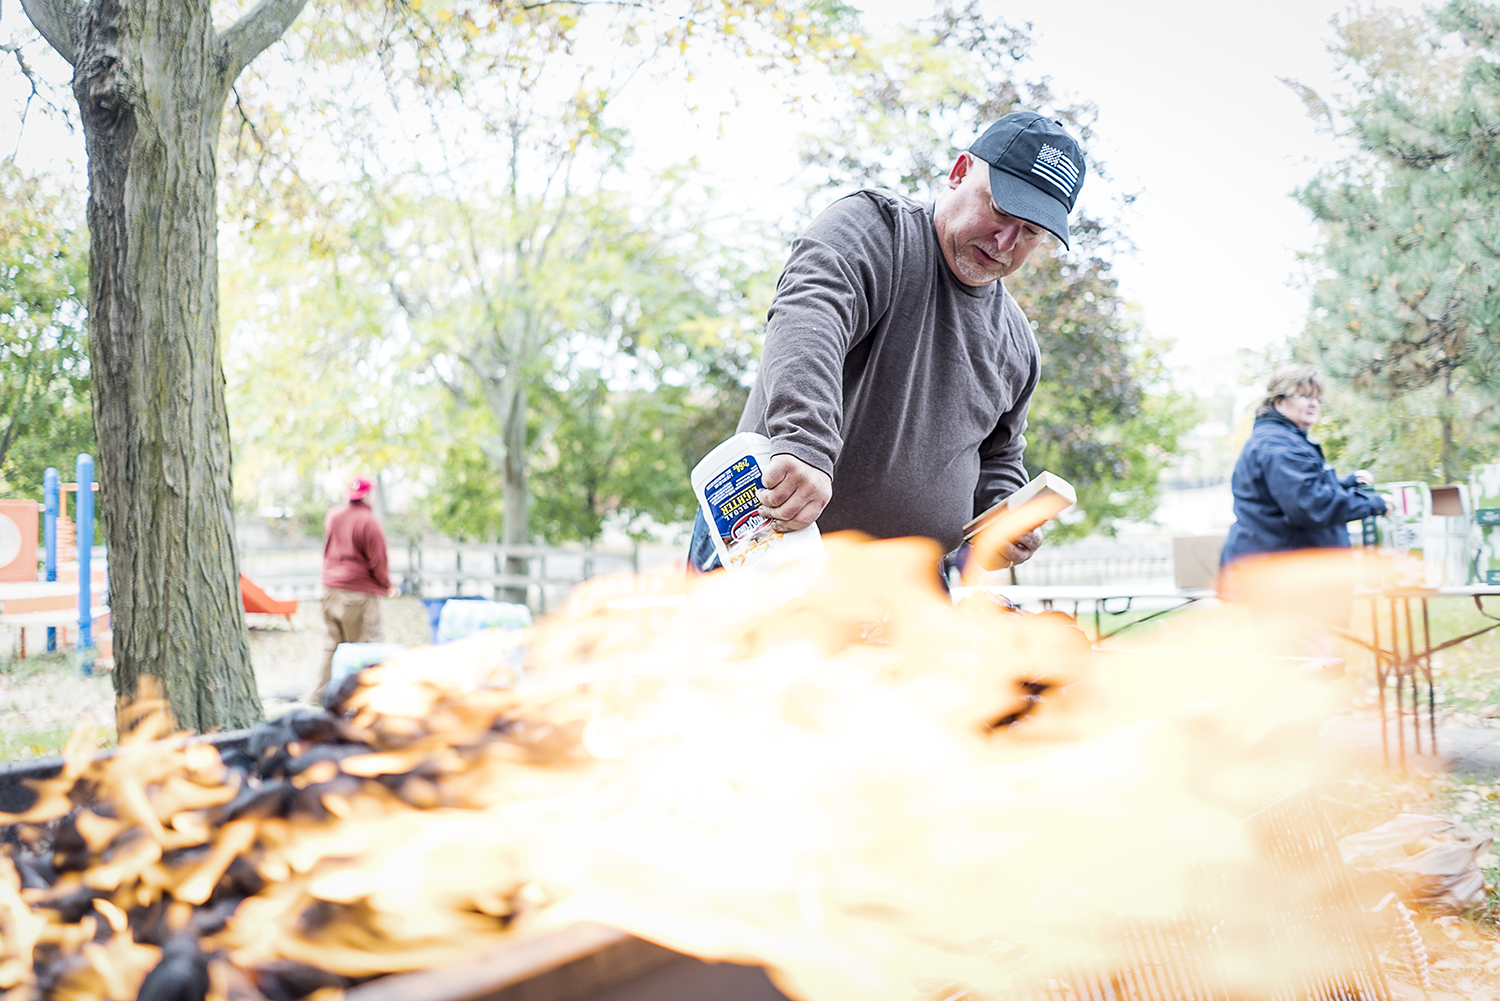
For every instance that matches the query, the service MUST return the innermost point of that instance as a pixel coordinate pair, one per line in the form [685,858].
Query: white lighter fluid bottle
[726,481]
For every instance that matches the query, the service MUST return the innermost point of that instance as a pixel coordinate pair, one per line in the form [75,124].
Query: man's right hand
[795,492]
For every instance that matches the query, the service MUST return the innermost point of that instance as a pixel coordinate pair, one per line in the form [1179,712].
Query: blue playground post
[51,490]
[85,517]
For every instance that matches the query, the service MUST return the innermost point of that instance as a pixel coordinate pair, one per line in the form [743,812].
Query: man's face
[980,242]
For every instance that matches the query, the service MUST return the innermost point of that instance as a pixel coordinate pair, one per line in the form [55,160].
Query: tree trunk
[151,80]
[1450,452]
[517,530]
[1450,456]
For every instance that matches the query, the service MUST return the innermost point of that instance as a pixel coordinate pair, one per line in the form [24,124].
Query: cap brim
[1020,199]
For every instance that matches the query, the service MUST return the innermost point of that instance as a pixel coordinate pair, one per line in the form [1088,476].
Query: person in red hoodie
[355,576]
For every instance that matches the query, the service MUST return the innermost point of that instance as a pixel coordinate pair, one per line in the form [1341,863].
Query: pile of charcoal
[170,869]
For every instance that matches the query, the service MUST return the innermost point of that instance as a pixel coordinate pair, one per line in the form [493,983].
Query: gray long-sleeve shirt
[885,371]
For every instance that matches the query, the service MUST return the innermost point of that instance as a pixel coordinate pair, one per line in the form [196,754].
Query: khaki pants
[351,617]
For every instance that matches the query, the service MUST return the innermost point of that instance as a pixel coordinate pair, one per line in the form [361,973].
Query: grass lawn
[43,698]
[1467,675]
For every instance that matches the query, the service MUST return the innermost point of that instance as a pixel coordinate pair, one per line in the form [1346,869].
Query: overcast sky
[1191,116]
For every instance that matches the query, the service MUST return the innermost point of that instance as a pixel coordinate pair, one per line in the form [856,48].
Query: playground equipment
[71,591]
[254,599]
[69,586]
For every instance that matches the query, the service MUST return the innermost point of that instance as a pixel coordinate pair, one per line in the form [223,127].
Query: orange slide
[256,600]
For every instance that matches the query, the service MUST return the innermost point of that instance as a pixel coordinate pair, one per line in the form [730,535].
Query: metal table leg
[1395,668]
[1427,671]
[1380,675]
[1409,667]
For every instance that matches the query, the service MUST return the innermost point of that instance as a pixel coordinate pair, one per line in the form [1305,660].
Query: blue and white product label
[732,497]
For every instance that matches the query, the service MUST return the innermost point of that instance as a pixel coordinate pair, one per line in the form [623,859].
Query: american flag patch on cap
[1053,166]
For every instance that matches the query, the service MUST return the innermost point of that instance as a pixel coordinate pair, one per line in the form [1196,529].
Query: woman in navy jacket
[1285,496]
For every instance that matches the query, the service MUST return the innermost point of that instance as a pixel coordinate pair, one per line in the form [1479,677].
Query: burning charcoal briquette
[1032,694]
[17,797]
[148,923]
[270,799]
[268,735]
[191,855]
[336,698]
[53,967]
[238,759]
[317,727]
[72,905]
[419,792]
[544,743]
[240,880]
[35,871]
[309,802]
[211,920]
[289,980]
[323,752]
[237,983]
[182,974]
[70,853]
[267,744]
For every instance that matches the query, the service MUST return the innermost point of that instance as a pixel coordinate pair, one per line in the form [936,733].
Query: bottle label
[732,498]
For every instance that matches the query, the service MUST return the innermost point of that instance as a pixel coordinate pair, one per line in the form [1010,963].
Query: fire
[871,791]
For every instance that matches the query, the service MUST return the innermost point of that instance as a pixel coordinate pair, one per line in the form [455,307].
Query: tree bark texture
[517,521]
[151,78]
[1449,459]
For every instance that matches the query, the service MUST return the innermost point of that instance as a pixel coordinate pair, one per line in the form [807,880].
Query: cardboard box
[1195,561]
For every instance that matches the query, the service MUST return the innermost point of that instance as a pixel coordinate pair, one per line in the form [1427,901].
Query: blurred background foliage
[45,413]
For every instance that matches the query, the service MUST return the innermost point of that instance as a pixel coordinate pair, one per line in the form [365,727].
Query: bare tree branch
[248,37]
[56,20]
[36,90]
[246,124]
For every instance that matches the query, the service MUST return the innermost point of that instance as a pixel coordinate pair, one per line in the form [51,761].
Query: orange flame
[869,790]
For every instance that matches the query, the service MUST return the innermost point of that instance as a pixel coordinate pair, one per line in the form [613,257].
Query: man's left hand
[1022,548]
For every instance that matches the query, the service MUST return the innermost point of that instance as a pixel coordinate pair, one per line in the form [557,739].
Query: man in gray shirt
[897,369]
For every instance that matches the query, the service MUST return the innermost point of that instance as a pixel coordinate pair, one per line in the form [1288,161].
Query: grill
[583,962]
[1287,922]
[1303,938]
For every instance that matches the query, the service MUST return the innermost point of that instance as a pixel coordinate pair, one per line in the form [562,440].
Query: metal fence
[1101,561]
[545,574]
[540,576]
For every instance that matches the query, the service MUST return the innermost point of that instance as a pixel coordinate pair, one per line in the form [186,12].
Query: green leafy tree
[505,245]
[1408,305]
[45,417]
[1103,416]
[1399,438]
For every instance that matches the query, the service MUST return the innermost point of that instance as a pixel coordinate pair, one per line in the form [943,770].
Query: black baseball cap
[1036,169]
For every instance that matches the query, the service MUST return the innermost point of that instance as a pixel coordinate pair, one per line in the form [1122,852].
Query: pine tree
[1410,300]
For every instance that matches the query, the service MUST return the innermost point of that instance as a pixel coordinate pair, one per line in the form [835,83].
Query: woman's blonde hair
[1288,381]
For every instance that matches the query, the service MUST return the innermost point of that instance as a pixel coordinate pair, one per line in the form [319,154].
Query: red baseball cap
[358,487]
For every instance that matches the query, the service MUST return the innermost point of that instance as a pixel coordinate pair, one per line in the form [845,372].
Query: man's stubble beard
[970,270]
